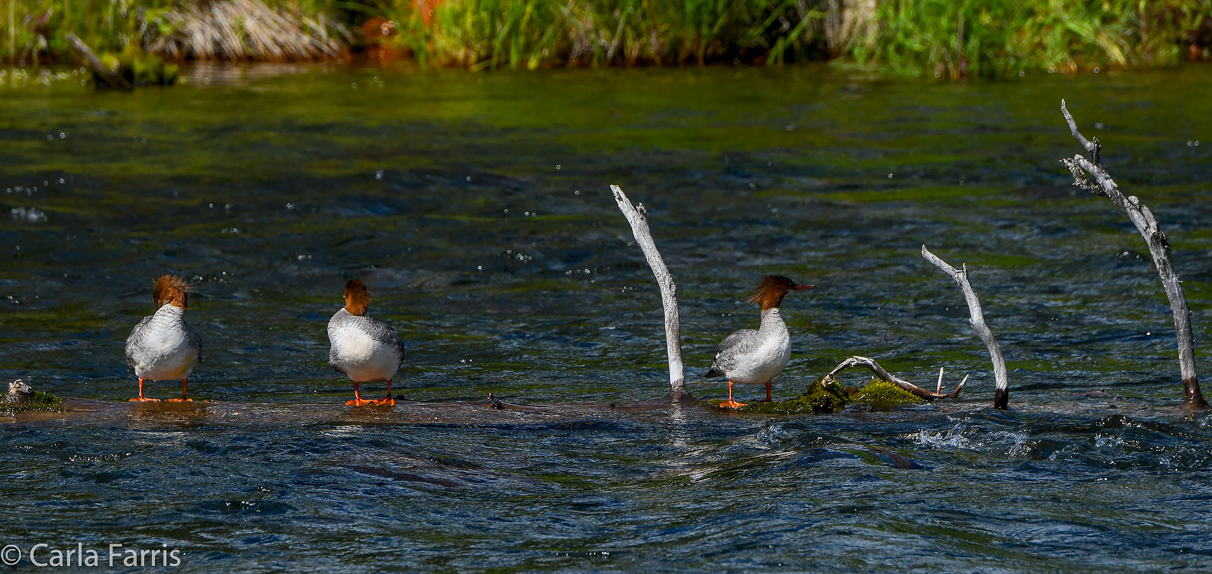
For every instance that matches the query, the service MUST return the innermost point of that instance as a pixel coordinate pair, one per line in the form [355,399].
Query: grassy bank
[991,38]
[34,31]
[1000,37]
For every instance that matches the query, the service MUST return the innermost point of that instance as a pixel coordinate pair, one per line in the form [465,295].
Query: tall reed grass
[944,38]
[952,38]
[536,33]
[1001,37]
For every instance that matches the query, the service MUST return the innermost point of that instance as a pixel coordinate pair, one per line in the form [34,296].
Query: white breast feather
[771,356]
[163,352]
[362,357]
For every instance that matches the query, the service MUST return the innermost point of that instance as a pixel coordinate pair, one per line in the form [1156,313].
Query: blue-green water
[476,207]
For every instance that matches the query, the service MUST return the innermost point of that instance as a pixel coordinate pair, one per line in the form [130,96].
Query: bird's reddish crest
[357,298]
[170,290]
[771,290]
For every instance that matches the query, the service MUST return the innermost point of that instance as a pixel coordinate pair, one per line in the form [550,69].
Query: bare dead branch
[669,297]
[881,373]
[1159,248]
[1092,146]
[1001,395]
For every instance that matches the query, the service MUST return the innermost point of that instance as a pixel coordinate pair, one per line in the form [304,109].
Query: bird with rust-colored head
[364,348]
[162,346]
[757,356]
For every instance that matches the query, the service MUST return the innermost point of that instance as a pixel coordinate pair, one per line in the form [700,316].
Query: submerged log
[103,74]
[1001,395]
[669,299]
[1159,247]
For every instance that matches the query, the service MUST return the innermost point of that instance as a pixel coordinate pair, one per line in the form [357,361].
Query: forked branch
[669,297]
[880,372]
[1159,247]
[1001,395]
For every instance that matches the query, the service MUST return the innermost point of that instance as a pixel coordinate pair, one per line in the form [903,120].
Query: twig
[1001,395]
[669,297]
[1159,248]
[1092,146]
[857,361]
[111,78]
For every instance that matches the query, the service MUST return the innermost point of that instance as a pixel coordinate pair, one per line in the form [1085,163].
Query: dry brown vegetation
[245,30]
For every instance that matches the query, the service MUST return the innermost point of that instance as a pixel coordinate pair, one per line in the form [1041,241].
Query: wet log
[669,299]
[1001,395]
[880,372]
[111,78]
[1159,247]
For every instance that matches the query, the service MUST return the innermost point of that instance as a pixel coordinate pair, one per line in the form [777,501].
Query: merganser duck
[364,348]
[749,356]
[162,346]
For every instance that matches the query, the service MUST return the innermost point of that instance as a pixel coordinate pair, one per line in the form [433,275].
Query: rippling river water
[476,207]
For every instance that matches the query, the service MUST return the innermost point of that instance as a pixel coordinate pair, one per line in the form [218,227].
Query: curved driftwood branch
[1001,395]
[880,372]
[1159,247]
[669,291]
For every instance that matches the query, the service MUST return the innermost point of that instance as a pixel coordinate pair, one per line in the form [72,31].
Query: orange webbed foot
[385,401]
[144,400]
[731,404]
[358,403]
[181,400]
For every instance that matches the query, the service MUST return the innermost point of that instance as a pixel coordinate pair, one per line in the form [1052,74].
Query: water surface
[477,209]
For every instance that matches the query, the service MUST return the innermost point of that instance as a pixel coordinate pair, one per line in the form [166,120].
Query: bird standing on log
[364,348]
[162,346]
[749,356]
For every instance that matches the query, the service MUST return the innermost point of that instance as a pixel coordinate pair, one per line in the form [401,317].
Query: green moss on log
[38,402]
[828,396]
[882,395]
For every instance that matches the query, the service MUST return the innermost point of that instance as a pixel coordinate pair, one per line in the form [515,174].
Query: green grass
[539,33]
[941,38]
[1004,37]
[913,37]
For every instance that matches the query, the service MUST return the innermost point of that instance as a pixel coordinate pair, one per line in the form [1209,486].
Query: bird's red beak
[802,287]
